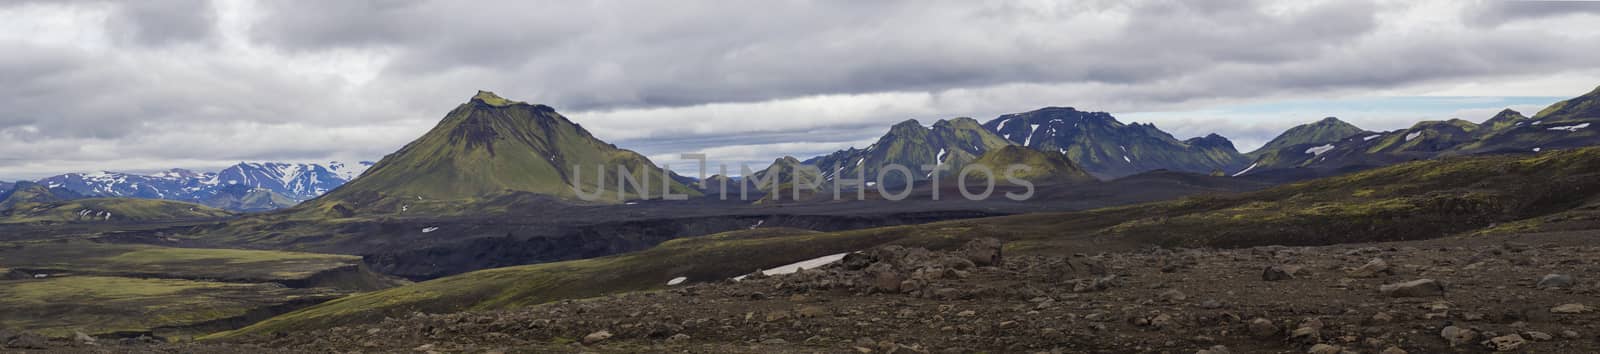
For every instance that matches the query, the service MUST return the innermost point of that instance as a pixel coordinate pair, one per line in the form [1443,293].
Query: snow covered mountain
[282,184]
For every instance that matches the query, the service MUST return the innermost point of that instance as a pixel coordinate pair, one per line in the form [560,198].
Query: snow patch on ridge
[1247,169]
[1572,128]
[1317,151]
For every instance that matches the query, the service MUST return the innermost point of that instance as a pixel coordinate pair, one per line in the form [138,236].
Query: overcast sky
[154,84]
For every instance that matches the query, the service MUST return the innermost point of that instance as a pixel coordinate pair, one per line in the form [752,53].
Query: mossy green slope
[491,146]
[1041,165]
[1583,108]
[1324,131]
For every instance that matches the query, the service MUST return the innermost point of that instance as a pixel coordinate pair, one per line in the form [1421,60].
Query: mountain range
[32,202]
[241,187]
[1312,150]
[492,147]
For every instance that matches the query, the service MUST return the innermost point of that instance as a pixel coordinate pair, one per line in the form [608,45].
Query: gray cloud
[1498,12]
[99,83]
[160,22]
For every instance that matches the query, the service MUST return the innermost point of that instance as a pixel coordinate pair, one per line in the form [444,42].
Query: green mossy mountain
[249,199]
[1042,166]
[493,146]
[951,143]
[1107,148]
[1564,125]
[1585,108]
[1324,131]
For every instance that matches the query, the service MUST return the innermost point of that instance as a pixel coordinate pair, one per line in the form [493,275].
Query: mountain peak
[909,123]
[491,99]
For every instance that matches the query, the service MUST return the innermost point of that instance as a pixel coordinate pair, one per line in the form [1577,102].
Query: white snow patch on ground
[1125,158]
[430,229]
[631,203]
[1319,150]
[1537,149]
[1413,136]
[676,281]
[797,266]
[758,224]
[1572,128]
[1247,169]
[1370,137]
[939,159]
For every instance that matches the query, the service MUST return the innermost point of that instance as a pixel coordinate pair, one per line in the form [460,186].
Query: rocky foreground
[1522,294]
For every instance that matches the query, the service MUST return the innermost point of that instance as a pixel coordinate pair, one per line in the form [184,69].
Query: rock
[1393,350]
[1216,349]
[423,348]
[1173,296]
[1325,349]
[1382,318]
[26,340]
[1457,336]
[1263,328]
[1556,281]
[1277,273]
[1095,284]
[775,341]
[1571,309]
[597,337]
[1162,321]
[1540,336]
[983,252]
[1505,343]
[812,311]
[1414,288]
[967,313]
[678,338]
[1571,334]
[1372,269]
[82,338]
[776,316]
[1306,334]
[883,278]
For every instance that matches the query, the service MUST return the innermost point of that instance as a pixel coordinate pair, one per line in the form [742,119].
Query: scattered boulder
[1373,269]
[597,337]
[1505,343]
[1457,336]
[1173,296]
[1216,349]
[1414,288]
[1571,334]
[1540,336]
[1556,281]
[1263,328]
[1393,350]
[983,252]
[1322,348]
[1282,272]
[1571,309]
[82,338]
